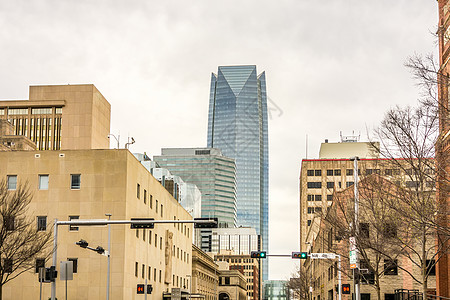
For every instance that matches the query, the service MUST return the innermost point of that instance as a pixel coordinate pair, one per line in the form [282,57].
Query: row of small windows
[34,111]
[178,281]
[150,200]
[349,172]
[43,181]
[319,197]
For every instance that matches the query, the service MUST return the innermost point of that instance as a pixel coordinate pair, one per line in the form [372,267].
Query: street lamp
[116,138]
[190,285]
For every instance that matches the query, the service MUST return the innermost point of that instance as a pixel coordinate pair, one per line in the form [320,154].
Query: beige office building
[87,184]
[61,117]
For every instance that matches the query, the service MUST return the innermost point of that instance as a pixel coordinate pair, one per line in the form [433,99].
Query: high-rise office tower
[237,124]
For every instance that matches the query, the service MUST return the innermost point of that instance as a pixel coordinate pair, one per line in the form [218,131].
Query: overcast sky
[331,66]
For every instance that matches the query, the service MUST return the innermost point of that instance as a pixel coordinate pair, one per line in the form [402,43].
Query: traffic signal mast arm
[103,222]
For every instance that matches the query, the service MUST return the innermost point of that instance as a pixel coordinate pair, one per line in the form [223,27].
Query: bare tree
[299,284]
[21,243]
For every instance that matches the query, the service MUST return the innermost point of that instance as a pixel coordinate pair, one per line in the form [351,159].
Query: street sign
[323,256]
[352,242]
[353,259]
[176,294]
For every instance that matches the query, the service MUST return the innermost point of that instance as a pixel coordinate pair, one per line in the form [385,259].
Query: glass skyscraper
[237,124]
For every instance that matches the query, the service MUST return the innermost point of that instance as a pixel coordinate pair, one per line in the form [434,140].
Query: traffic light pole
[356,227]
[104,222]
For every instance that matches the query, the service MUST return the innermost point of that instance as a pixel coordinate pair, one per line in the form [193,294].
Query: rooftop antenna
[306,146]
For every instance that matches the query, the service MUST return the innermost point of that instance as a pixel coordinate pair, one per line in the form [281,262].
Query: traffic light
[212,224]
[258,254]
[149,289]
[301,255]
[346,288]
[140,289]
[145,225]
[99,250]
[82,243]
[51,274]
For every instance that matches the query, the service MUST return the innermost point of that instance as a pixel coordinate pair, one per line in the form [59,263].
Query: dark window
[317,172]
[151,201]
[310,197]
[409,171]
[389,296]
[202,152]
[318,209]
[318,197]
[388,172]
[330,185]
[389,230]
[71,227]
[431,267]
[75,181]
[309,222]
[40,263]
[412,184]
[162,210]
[337,172]
[329,172]
[349,172]
[369,171]
[314,185]
[310,172]
[74,263]
[310,210]
[329,197]
[136,266]
[41,223]
[145,196]
[366,296]
[349,183]
[227,280]
[364,230]
[390,267]
[156,206]
[8,223]
[143,271]
[7,265]
[138,191]
[377,171]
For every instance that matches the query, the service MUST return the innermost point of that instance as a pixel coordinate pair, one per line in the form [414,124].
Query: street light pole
[356,226]
[108,279]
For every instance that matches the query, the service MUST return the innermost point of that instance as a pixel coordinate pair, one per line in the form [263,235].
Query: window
[310,173]
[390,267]
[227,280]
[7,265]
[40,263]
[329,172]
[431,267]
[310,197]
[12,182]
[43,182]
[41,223]
[314,185]
[160,275]
[138,191]
[160,243]
[75,180]
[143,234]
[71,227]
[156,205]
[145,196]
[309,222]
[388,172]
[136,266]
[369,171]
[310,210]
[389,230]
[318,197]
[318,209]
[154,274]
[364,230]
[143,271]
[156,240]
[329,197]
[349,172]
[317,172]
[149,273]
[349,183]
[412,184]
[330,185]
[409,171]
[162,209]
[74,263]
[8,223]
[150,237]
[137,233]
[151,201]
[337,172]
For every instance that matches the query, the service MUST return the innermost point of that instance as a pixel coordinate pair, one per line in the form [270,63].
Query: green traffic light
[262,254]
[304,255]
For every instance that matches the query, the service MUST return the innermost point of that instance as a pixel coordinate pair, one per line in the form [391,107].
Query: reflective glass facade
[237,124]
[213,174]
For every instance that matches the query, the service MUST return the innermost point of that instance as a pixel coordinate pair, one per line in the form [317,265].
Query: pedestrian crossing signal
[346,288]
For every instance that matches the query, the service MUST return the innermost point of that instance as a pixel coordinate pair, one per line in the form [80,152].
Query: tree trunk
[424,266]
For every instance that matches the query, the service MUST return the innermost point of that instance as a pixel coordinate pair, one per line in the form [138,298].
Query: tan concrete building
[61,117]
[205,275]
[231,283]
[87,184]
[249,267]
